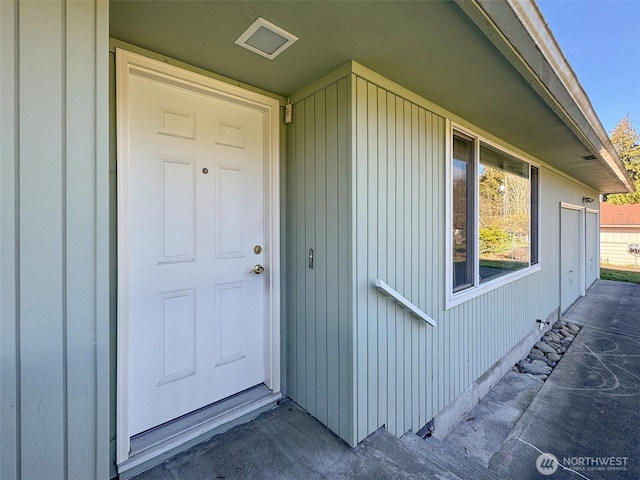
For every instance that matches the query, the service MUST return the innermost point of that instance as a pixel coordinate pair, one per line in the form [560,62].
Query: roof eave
[530,46]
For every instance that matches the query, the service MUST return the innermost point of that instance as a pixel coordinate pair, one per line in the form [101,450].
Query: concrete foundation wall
[446,419]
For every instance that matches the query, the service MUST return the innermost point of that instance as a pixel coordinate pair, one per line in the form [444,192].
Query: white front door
[197,330]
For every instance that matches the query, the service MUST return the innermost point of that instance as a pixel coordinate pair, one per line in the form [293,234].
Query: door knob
[258,269]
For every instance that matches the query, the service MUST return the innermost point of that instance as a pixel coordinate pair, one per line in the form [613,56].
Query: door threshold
[160,443]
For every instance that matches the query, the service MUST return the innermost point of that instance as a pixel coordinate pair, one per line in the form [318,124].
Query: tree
[491,197]
[504,201]
[626,141]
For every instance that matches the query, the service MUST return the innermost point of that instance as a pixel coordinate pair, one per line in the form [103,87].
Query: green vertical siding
[54,257]
[9,327]
[389,181]
[407,371]
[319,355]
[399,188]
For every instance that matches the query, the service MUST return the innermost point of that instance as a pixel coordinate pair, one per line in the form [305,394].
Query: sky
[601,41]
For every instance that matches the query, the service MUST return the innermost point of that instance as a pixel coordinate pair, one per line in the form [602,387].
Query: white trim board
[116,44]
[571,206]
[128,64]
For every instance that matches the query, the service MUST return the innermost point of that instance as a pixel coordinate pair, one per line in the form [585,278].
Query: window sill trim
[455,299]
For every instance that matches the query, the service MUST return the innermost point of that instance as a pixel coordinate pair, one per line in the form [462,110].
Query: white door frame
[128,64]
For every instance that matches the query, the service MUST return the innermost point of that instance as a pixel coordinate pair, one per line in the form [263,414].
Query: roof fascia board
[519,32]
[531,18]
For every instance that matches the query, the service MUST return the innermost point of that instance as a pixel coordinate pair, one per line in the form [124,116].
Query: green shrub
[492,239]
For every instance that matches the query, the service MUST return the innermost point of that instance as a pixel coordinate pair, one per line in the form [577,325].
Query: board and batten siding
[406,370]
[399,188]
[54,332]
[318,300]
[393,369]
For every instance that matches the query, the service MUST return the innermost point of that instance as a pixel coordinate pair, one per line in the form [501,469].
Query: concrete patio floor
[586,413]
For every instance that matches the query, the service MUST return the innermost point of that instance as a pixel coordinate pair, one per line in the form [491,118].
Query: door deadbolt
[257,249]
[205,170]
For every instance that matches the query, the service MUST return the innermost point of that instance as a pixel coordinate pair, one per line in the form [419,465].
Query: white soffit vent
[266,39]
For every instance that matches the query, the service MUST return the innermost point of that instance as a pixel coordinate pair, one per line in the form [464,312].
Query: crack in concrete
[559,464]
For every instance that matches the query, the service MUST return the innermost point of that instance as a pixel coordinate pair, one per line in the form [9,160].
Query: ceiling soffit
[432,48]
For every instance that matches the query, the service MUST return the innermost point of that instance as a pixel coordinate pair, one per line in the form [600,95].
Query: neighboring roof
[493,64]
[628,214]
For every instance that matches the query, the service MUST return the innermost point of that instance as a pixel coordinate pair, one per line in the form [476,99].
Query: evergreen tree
[627,143]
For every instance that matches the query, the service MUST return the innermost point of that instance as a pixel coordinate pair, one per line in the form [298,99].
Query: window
[463,178]
[494,214]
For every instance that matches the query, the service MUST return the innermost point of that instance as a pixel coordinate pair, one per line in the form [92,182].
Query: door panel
[196,313]
[177,338]
[229,200]
[177,204]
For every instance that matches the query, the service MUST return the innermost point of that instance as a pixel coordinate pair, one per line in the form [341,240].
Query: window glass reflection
[463,246]
[504,214]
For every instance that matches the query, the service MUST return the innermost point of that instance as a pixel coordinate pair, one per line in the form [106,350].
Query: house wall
[408,371]
[54,332]
[319,305]
[355,361]
[404,371]
[399,191]
[614,242]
